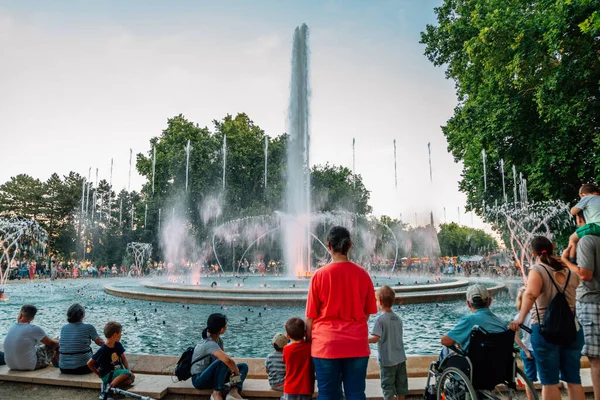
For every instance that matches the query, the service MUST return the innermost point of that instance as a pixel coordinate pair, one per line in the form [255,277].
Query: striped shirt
[75,340]
[276,367]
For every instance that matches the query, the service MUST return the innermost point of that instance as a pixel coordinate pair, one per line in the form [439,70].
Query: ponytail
[204,333]
[543,248]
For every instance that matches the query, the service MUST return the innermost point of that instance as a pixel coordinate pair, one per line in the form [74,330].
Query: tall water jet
[430,170]
[266,160]
[224,159]
[503,185]
[188,148]
[483,160]
[296,228]
[130,160]
[395,167]
[153,166]
[514,171]
[354,163]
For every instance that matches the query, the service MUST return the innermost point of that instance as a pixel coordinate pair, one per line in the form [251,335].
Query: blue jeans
[553,360]
[331,373]
[216,375]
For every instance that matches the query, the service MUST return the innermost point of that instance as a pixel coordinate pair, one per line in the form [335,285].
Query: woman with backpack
[212,368]
[557,338]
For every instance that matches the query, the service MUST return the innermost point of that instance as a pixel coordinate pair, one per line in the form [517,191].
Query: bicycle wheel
[454,384]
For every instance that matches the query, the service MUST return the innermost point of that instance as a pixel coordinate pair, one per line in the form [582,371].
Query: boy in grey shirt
[387,333]
[590,206]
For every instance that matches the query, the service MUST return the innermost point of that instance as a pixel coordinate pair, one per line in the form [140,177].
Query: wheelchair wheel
[502,392]
[453,384]
[523,382]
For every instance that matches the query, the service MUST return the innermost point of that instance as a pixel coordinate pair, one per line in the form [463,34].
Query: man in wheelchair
[478,355]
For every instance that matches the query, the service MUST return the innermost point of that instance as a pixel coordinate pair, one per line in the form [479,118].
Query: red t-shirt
[299,371]
[340,299]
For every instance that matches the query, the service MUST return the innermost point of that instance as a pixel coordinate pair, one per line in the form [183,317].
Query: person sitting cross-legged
[26,346]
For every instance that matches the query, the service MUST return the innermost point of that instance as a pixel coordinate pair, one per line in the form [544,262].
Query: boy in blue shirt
[110,363]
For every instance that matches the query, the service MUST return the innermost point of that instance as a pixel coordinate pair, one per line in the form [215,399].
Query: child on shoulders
[274,364]
[590,206]
[387,333]
[299,370]
[110,363]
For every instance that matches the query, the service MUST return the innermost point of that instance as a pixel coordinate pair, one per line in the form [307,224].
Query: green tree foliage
[527,77]
[458,240]
[101,228]
[336,188]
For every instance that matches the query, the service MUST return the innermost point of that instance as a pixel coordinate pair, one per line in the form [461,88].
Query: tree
[458,240]
[527,76]
[336,188]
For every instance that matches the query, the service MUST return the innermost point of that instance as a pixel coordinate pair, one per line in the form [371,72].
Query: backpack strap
[200,359]
[554,283]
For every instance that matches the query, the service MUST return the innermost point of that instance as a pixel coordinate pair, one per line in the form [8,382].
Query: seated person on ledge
[26,346]
[478,301]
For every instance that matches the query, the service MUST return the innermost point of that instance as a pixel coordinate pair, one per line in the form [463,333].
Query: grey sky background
[81,82]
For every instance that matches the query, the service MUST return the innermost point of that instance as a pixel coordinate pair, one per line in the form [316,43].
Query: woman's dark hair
[75,313]
[543,248]
[339,240]
[214,324]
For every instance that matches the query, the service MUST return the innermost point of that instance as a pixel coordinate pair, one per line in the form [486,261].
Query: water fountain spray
[95,197]
[130,160]
[132,214]
[82,195]
[153,166]
[87,197]
[188,148]
[503,185]
[14,233]
[266,160]
[514,172]
[145,215]
[483,159]
[224,158]
[430,170]
[524,223]
[159,211]
[395,167]
[296,232]
[354,163]
[121,213]
[140,253]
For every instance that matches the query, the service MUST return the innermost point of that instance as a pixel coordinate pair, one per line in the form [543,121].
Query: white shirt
[20,346]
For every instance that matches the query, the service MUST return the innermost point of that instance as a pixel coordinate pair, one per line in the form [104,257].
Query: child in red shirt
[299,371]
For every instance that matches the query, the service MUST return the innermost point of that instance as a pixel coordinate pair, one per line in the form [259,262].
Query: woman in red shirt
[340,299]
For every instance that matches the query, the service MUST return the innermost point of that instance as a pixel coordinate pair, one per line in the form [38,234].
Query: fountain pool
[250,328]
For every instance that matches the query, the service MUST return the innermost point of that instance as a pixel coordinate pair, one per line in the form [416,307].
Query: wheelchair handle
[525,328]
[457,350]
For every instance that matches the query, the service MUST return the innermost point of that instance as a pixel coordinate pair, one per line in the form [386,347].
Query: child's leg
[123,378]
[401,381]
[573,239]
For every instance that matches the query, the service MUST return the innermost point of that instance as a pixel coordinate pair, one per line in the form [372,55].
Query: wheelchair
[488,371]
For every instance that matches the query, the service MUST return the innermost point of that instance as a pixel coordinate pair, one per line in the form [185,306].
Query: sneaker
[102,391]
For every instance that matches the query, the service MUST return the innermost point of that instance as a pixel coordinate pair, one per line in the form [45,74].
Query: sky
[82,82]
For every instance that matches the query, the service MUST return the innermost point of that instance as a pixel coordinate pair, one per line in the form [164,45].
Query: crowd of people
[332,344]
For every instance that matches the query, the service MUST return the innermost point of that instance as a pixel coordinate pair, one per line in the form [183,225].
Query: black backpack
[558,326]
[183,369]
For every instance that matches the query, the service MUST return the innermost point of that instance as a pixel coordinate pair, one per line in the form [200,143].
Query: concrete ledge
[268,291]
[146,385]
[434,297]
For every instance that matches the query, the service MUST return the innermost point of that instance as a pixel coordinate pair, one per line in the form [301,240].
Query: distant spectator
[75,339]
[26,346]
